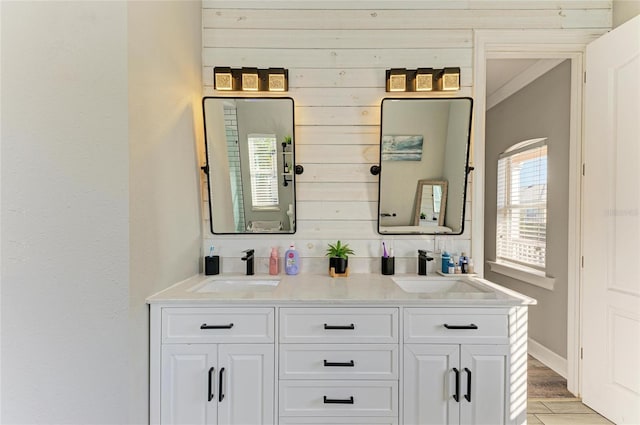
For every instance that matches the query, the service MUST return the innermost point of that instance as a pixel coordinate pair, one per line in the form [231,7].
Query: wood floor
[544,382]
[550,403]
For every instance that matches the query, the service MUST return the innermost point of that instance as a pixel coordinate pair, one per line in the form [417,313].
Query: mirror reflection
[250,158]
[424,154]
[431,203]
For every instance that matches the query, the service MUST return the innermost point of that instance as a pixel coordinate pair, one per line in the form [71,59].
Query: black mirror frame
[207,167]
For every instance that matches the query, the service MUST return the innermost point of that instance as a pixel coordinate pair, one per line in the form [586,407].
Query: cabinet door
[484,384]
[430,383]
[247,375]
[188,380]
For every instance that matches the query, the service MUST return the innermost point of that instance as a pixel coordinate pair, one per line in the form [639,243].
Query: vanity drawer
[339,325]
[205,325]
[339,398]
[456,325]
[366,420]
[338,361]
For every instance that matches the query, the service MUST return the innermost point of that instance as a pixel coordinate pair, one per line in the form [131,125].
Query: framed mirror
[431,203]
[424,160]
[249,144]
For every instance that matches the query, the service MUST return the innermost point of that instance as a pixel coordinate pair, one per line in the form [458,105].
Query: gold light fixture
[250,79]
[223,78]
[277,79]
[397,79]
[422,79]
[449,79]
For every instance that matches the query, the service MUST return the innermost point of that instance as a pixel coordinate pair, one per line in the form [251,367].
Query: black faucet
[249,259]
[422,262]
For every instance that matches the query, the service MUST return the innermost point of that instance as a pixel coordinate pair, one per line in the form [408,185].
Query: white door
[611,214]
[430,384]
[188,391]
[484,384]
[246,386]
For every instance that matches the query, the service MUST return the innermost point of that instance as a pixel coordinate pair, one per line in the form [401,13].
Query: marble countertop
[316,289]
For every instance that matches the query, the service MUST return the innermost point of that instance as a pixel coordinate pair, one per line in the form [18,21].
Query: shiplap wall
[337,53]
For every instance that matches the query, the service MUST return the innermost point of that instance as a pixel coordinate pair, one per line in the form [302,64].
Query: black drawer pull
[456,396]
[467,396]
[471,326]
[347,364]
[338,401]
[351,326]
[205,326]
[210,395]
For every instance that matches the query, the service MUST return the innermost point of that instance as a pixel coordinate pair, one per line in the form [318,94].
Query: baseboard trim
[548,357]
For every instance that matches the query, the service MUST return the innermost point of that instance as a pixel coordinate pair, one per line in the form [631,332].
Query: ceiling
[506,76]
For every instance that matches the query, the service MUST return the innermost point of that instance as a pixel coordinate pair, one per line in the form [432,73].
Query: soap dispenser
[445,261]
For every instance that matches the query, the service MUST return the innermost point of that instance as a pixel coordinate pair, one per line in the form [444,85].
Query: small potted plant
[339,257]
[286,142]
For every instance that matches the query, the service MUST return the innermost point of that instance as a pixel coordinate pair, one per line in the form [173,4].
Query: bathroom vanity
[310,349]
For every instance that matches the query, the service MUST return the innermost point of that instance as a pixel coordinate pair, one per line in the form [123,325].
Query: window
[522,204]
[263,168]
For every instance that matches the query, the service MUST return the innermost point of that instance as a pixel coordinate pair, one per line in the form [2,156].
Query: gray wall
[539,110]
[623,10]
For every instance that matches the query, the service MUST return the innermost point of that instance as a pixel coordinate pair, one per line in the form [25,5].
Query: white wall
[65,213]
[165,129]
[337,53]
[100,204]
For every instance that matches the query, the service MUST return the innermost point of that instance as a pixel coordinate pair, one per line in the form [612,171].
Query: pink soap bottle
[273,261]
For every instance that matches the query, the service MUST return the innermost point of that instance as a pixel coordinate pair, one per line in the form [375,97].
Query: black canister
[212,265]
[388,265]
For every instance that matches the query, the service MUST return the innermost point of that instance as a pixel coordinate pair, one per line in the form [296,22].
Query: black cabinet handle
[347,364]
[220,394]
[351,326]
[205,326]
[467,396]
[471,326]
[338,401]
[210,395]
[456,396]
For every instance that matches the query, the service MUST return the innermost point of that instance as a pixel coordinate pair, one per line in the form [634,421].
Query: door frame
[543,44]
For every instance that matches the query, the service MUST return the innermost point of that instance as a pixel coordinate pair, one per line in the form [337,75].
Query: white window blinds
[521,230]
[263,167]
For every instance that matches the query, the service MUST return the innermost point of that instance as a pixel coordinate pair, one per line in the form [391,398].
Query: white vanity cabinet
[338,365]
[217,366]
[357,350]
[457,366]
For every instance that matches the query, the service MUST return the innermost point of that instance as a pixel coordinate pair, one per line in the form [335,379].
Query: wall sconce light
[278,80]
[422,79]
[250,79]
[397,79]
[223,78]
[449,79]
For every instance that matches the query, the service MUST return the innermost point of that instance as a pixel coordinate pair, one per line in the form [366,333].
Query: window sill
[265,209]
[523,273]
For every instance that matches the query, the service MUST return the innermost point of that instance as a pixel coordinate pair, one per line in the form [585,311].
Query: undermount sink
[433,286]
[236,284]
